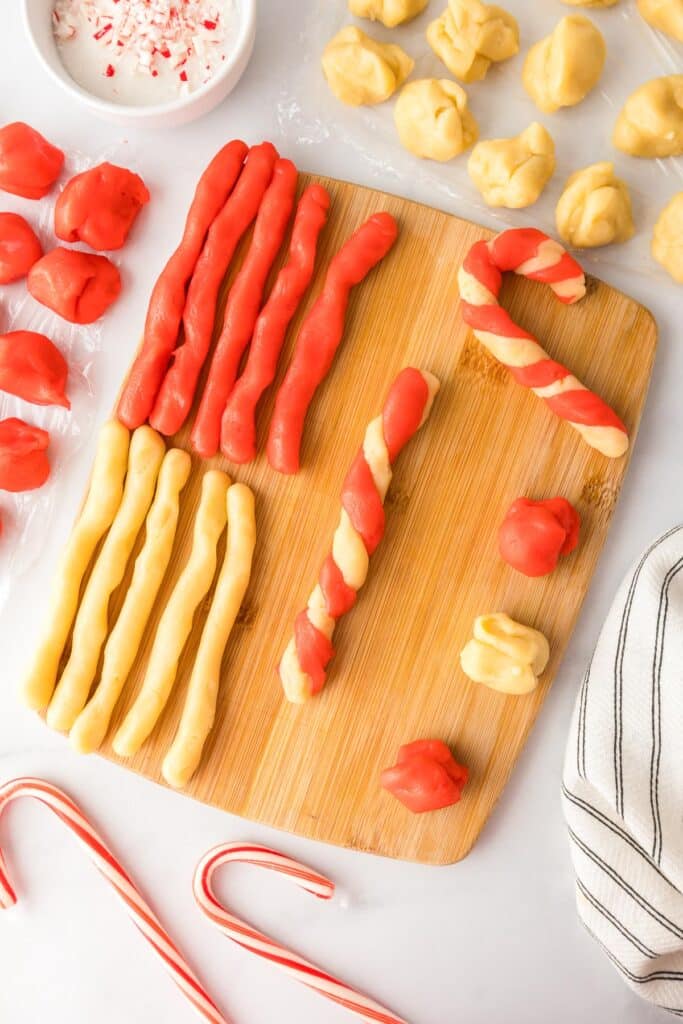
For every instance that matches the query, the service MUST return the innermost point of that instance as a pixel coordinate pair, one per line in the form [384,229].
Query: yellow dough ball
[469,36]
[666,15]
[560,70]
[390,12]
[360,70]
[433,119]
[504,654]
[667,240]
[595,208]
[651,123]
[513,172]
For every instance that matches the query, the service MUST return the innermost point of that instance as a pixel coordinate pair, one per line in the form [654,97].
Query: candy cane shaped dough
[176,621]
[90,629]
[199,712]
[90,728]
[101,505]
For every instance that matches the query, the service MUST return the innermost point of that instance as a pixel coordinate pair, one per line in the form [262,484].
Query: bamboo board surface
[315,769]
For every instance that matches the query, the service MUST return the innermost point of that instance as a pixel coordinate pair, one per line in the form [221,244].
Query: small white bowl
[38,21]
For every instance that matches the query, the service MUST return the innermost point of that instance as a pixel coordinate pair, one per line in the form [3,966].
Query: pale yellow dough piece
[90,728]
[101,505]
[176,621]
[199,712]
[504,654]
[667,240]
[513,172]
[666,15]
[433,119]
[651,122]
[470,36]
[560,70]
[390,12]
[361,71]
[92,622]
[594,208]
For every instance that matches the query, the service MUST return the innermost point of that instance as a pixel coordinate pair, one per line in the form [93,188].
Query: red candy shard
[79,286]
[426,776]
[19,247]
[29,164]
[99,206]
[534,534]
[33,368]
[24,465]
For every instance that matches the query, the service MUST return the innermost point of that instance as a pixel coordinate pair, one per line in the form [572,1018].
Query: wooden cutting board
[315,769]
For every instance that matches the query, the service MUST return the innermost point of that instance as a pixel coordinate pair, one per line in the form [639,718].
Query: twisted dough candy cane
[176,621]
[177,391]
[243,305]
[360,529]
[90,728]
[199,711]
[90,629]
[101,505]
[167,301]
[140,912]
[238,426]
[320,336]
[532,254]
[256,942]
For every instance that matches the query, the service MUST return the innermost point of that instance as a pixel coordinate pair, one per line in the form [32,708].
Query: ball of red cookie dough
[99,206]
[19,247]
[535,534]
[77,285]
[29,164]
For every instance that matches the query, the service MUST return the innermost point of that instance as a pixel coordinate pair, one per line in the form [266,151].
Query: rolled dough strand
[97,514]
[90,728]
[184,756]
[238,426]
[90,629]
[167,301]
[176,621]
[243,305]
[532,254]
[177,390]
[320,336]
[360,529]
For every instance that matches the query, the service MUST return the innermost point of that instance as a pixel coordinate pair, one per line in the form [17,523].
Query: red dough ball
[99,206]
[29,164]
[426,776]
[19,247]
[24,465]
[78,285]
[534,534]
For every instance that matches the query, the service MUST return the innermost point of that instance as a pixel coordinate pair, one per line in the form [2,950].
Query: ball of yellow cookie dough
[390,12]
[360,70]
[651,122]
[595,208]
[469,36]
[504,654]
[513,172]
[560,70]
[667,240]
[433,119]
[666,15]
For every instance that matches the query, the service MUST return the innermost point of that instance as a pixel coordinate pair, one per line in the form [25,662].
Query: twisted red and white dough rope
[256,942]
[532,254]
[143,917]
[360,529]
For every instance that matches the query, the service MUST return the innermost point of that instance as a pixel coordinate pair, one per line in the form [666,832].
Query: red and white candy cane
[256,942]
[532,254]
[143,917]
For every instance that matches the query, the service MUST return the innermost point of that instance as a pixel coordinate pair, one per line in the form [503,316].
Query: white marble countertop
[493,939]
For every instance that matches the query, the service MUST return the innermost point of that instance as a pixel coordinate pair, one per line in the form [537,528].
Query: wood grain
[396,677]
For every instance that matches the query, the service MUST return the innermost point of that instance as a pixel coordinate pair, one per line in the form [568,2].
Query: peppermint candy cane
[256,942]
[532,254]
[104,860]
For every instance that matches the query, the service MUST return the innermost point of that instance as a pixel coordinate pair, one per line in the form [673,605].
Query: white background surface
[494,939]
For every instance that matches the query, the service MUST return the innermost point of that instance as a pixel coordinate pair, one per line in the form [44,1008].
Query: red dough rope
[143,917]
[532,254]
[360,529]
[256,942]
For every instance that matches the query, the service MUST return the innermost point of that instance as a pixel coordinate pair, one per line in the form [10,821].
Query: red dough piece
[24,465]
[32,368]
[78,285]
[29,164]
[19,247]
[534,534]
[426,776]
[99,206]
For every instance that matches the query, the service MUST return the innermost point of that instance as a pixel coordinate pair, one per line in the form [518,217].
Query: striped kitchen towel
[623,780]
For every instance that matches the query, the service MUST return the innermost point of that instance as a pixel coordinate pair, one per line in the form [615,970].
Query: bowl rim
[247,16]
